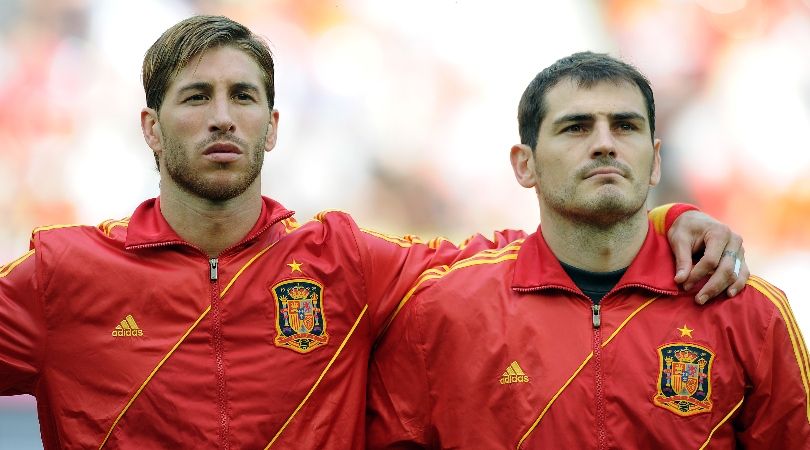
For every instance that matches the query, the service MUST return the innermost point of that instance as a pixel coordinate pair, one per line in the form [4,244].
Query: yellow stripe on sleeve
[5,270]
[491,256]
[290,225]
[403,241]
[107,226]
[799,349]
[54,227]
[322,215]
[658,217]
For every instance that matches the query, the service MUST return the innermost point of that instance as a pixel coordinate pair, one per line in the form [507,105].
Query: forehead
[604,97]
[217,65]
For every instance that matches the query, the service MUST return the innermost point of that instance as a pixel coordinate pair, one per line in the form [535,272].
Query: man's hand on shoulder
[723,255]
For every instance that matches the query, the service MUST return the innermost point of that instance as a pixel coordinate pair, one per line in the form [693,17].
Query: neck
[588,246]
[212,226]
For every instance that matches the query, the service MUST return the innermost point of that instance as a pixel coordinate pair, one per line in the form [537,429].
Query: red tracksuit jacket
[500,351]
[131,338]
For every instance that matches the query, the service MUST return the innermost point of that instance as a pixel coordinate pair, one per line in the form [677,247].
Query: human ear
[522,158]
[150,126]
[655,173]
[272,132]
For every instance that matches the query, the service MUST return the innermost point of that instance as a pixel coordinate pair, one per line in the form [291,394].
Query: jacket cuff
[664,216]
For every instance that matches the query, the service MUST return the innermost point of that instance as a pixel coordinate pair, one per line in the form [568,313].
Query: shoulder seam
[55,227]
[407,240]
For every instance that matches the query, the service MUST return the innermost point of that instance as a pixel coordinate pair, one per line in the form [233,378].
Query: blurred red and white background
[403,113]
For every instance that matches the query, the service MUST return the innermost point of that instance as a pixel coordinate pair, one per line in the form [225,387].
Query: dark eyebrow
[198,86]
[627,116]
[245,86]
[617,117]
[574,118]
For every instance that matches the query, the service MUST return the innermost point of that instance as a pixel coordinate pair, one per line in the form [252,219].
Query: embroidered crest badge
[300,319]
[684,378]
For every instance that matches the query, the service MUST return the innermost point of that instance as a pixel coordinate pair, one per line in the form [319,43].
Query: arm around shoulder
[22,326]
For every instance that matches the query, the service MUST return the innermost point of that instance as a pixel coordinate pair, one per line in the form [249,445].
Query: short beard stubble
[178,167]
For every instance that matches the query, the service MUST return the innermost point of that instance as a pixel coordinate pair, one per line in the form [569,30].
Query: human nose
[603,142]
[222,119]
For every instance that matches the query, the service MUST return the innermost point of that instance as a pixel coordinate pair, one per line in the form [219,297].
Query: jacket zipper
[216,326]
[596,322]
[599,391]
[216,344]
[596,348]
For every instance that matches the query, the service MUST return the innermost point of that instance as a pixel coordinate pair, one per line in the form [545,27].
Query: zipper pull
[213,262]
[597,318]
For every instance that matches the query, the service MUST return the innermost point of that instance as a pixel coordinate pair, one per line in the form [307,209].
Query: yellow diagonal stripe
[152,374]
[719,424]
[579,369]
[131,321]
[176,346]
[318,381]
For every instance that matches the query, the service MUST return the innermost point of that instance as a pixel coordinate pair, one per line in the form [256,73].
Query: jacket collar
[148,228]
[653,268]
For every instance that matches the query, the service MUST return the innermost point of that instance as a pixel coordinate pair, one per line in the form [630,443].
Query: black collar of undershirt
[594,284]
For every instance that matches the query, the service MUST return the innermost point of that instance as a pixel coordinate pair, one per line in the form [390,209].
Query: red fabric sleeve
[663,216]
[674,211]
[776,412]
[392,265]
[22,327]
[398,398]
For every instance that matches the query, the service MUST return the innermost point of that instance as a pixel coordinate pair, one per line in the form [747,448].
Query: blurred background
[403,113]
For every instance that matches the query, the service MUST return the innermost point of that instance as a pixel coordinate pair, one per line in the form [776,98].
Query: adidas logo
[514,374]
[127,327]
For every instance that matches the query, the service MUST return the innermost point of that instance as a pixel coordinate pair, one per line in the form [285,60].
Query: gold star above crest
[685,331]
[295,266]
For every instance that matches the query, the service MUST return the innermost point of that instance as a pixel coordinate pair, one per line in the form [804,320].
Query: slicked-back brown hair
[586,69]
[189,38]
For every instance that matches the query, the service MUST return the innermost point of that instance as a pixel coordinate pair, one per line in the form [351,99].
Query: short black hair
[586,69]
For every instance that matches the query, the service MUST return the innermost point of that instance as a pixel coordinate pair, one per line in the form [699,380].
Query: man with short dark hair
[211,318]
[577,337]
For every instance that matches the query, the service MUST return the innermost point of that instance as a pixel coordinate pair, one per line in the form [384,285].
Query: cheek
[185,122]
[187,125]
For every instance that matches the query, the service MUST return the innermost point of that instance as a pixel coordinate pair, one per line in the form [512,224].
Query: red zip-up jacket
[130,337]
[503,351]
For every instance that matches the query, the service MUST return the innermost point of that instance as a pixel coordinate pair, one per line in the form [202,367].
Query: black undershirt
[594,284]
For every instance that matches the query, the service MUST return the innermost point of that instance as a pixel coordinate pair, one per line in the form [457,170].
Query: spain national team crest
[300,319]
[684,381]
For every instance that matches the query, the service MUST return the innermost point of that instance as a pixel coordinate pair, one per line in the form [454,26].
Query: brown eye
[196,98]
[243,97]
